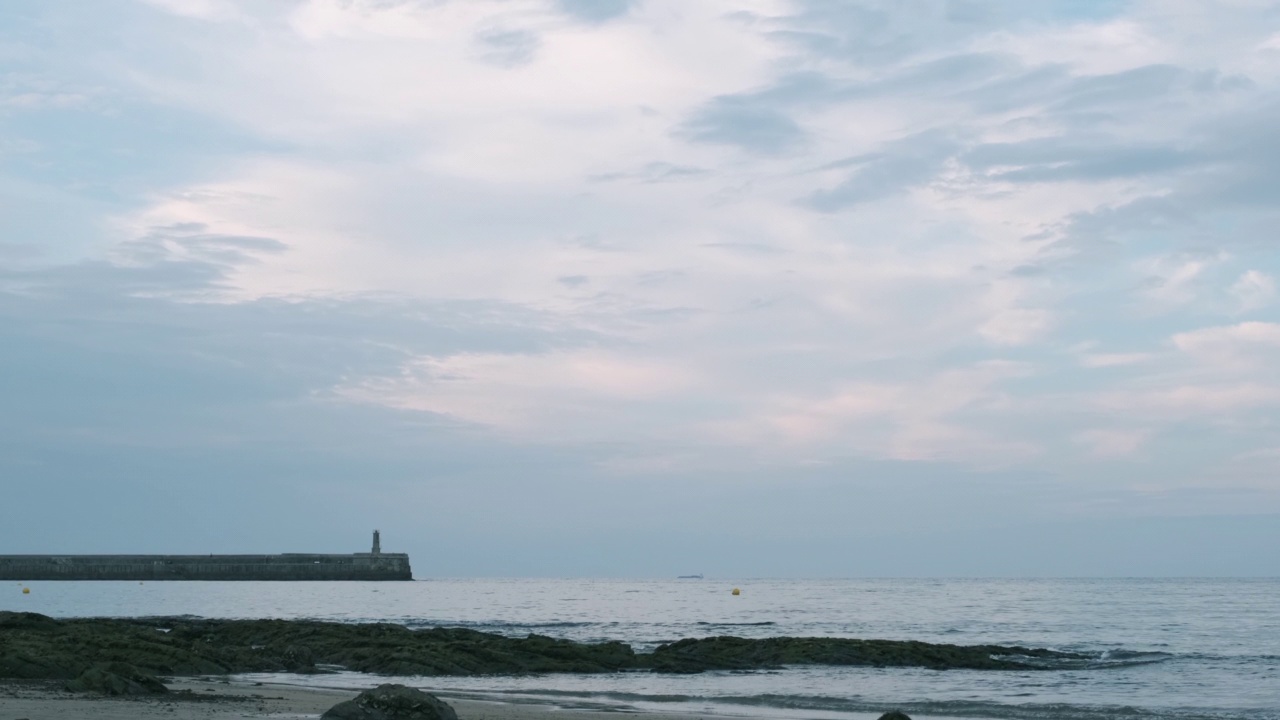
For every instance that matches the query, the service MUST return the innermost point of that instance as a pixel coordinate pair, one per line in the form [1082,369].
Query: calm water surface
[1163,648]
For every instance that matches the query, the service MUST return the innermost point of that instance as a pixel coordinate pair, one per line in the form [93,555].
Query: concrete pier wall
[360,566]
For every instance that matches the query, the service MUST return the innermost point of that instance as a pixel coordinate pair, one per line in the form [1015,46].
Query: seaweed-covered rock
[24,620]
[895,715]
[37,647]
[117,679]
[391,702]
[734,653]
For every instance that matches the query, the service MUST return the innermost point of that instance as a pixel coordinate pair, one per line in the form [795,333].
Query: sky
[645,287]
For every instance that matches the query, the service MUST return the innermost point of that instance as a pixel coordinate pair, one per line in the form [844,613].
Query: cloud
[556,397]
[923,420]
[651,173]
[1218,374]
[1175,279]
[893,168]
[957,250]
[1047,160]
[1015,326]
[1212,401]
[1107,360]
[751,127]
[191,241]
[1231,346]
[508,48]
[218,10]
[1112,443]
[1253,290]
[574,281]
[596,10]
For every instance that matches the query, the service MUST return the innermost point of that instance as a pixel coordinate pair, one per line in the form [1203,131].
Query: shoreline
[208,699]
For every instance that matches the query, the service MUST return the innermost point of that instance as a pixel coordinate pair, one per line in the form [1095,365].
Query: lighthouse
[377,543]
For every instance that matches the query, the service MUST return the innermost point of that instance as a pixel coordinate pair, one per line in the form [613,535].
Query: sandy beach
[219,699]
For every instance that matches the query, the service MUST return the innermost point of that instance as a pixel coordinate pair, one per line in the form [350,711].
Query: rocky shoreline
[34,646]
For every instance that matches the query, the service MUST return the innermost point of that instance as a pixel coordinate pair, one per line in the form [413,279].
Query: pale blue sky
[645,288]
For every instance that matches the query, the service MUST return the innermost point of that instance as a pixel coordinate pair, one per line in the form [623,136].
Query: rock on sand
[391,702]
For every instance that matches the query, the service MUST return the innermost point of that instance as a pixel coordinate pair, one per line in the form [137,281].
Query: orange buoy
[26,591]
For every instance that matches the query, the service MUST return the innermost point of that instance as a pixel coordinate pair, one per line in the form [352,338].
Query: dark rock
[37,647]
[895,715]
[299,656]
[734,653]
[117,679]
[25,621]
[391,702]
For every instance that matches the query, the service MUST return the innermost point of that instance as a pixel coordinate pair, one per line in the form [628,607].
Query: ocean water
[1160,648]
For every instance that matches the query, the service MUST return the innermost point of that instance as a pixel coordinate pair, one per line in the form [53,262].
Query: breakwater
[390,566]
[375,565]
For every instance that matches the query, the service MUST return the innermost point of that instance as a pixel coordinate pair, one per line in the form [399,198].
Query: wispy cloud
[652,235]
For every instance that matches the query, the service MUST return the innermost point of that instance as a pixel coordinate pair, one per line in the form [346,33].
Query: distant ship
[689,577]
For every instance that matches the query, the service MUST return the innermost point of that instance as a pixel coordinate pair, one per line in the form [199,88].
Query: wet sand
[222,700]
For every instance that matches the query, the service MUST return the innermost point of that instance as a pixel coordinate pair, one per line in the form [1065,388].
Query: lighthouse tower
[377,543]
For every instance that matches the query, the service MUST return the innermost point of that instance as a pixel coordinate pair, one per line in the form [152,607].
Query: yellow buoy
[26,591]
[736,591]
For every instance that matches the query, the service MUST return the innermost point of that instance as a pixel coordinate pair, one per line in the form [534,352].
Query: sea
[1157,648]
